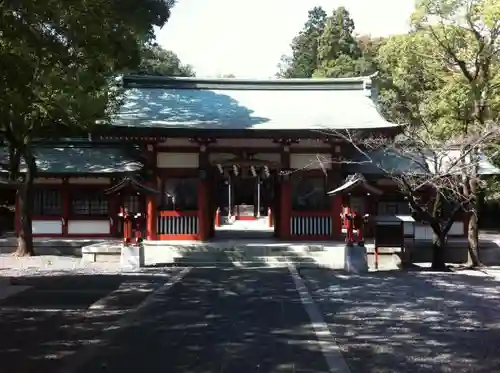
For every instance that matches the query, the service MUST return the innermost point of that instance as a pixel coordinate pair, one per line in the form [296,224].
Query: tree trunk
[25,195]
[438,249]
[473,240]
[473,226]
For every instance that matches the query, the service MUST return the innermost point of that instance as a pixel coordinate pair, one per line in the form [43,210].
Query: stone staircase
[244,229]
[238,253]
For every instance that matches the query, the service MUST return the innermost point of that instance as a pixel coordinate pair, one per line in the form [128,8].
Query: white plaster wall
[424,232]
[89,180]
[310,161]
[47,227]
[220,157]
[177,160]
[82,227]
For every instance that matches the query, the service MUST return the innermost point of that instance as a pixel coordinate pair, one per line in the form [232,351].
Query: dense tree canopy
[304,59]
[338,49]
[329,47]
[159,61]
[441,80]
[56,61]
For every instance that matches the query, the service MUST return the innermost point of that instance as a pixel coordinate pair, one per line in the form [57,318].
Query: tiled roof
[74,159]
[234,104]
[380,161]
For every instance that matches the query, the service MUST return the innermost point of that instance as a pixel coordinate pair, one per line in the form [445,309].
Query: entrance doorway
[244,200]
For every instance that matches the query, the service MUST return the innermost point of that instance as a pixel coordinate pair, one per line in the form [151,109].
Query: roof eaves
[363,83]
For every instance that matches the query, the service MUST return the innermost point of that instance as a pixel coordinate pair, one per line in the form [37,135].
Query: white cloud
[247,38]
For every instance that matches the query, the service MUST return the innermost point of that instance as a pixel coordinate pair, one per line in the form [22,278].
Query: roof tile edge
[362,83]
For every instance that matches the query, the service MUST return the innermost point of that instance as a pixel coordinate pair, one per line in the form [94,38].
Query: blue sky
[247,38]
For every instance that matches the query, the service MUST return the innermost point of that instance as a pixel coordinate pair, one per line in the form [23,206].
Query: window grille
[47,202]
[89,204]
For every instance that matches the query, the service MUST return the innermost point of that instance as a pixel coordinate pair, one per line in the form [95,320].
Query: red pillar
[203,207]
[337,216]
[217,217]
[127,229]
[151,218]
[285,209]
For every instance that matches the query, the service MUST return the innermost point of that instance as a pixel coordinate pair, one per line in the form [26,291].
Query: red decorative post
[127,225]
[138,231]
[270,217]
[349,221]
[151,218]
[217,217]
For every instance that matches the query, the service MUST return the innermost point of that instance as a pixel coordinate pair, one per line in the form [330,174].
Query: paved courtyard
[251,320]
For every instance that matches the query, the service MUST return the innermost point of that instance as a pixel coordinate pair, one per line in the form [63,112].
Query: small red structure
[269,217]
[218,222]
[354,220]
[349,224]
[127,225]
[133,210]
[139,224]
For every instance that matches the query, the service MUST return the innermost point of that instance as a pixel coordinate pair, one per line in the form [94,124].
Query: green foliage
[328,47]
[158,61]
[304,59]
[466,33]
[410,77]
[339,53]
[55,61]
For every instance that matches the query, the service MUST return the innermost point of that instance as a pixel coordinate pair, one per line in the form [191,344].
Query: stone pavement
[64,311]
[219,321]
[264,320]
[415,322]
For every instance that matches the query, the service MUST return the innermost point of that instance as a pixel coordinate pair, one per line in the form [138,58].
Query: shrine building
[187,154]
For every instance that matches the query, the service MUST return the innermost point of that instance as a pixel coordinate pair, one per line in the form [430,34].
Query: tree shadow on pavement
[416,321]
[49,322]
[224,320]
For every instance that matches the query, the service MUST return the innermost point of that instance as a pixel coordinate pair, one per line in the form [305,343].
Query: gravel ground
[12,266]
[67,306]
[412,322]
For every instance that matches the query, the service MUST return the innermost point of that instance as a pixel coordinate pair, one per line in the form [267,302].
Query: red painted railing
[311,225]
[178,225]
